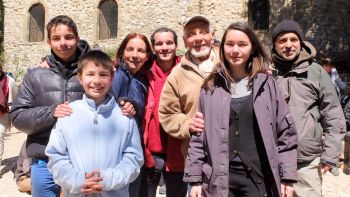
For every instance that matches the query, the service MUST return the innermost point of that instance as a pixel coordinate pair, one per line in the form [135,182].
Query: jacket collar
[190,62]
[106,105]
[150,74]
[122,66]
[57,66]
[225,82]
[258,83]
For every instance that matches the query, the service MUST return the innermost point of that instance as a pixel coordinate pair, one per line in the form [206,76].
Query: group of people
[223,120]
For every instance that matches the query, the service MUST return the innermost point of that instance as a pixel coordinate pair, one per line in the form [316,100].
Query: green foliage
[18,72]
[110,51]
[1,54]
[180,52]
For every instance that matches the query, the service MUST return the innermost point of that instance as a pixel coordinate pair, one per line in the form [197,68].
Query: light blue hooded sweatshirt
[95,137]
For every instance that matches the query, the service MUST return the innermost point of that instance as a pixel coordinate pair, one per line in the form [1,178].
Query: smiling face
[96,81]
[237,50]
[197,37]
[164,47]
[63,42]
[288,45]
[135,54]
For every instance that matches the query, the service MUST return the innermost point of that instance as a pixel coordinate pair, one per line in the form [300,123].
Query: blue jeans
[42,181]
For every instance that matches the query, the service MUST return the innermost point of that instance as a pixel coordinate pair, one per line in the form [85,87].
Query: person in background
[346,168]
[8,91]
[44,95]
[314,104]
[162,151]
[339,85]
[254,152]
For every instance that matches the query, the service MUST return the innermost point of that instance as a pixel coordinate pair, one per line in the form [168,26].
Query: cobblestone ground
[334,186]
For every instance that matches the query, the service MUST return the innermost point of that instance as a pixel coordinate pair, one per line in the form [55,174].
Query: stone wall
[327,25]
[134,15]
[324,22]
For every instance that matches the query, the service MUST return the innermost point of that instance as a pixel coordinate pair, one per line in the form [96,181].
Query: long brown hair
[130,36]
[258,61]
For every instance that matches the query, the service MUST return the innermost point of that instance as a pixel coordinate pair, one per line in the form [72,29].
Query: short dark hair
[64,20]
[97,57]
[326,61]
[163,29]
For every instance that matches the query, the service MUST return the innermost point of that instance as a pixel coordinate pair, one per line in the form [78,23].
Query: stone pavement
[13,143]
[334,186]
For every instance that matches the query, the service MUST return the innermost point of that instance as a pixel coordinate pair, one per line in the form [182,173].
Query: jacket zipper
[94,141]
[94,144]
[65,97]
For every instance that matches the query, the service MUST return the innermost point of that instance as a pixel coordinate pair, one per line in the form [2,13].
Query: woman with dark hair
[134,58]
[248,146]
[129,85]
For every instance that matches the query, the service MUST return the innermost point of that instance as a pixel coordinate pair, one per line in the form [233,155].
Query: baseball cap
[194,19]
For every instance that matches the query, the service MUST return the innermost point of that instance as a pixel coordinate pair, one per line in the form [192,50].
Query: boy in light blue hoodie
[96,150]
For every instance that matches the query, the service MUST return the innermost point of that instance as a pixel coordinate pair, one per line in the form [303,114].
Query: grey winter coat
[42,89]
[314,104]
[208,156]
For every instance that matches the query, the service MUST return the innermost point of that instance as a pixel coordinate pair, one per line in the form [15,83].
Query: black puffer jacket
[41,91]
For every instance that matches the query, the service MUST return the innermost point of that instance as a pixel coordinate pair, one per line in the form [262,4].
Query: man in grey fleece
[314,104]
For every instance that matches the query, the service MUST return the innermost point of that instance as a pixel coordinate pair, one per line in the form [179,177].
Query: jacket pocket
[207,171]
[310,139]
[318,130]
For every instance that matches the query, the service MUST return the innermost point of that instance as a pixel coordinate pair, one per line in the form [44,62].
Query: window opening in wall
[36,23]
[258,11]
[108,19]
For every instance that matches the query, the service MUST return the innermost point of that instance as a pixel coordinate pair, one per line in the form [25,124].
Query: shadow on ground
[8,164]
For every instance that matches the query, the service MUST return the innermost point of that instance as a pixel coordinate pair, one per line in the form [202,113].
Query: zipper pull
[95,118]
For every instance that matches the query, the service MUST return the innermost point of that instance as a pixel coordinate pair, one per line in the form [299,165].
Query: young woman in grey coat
[248,146]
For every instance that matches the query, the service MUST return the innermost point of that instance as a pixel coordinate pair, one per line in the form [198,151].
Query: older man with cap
[313,102]
[180,95]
